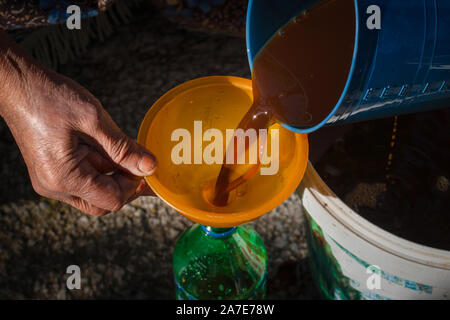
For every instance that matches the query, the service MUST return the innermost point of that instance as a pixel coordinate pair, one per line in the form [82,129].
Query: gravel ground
[127,254]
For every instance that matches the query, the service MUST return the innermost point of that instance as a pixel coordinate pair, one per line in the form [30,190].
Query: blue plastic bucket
[404,67]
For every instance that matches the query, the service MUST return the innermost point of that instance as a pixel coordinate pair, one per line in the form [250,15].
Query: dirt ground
[127,254]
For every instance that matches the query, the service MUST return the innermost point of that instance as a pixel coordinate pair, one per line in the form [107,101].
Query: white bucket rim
[369,232]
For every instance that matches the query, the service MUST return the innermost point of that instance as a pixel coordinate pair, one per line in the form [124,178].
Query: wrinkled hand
[69,142]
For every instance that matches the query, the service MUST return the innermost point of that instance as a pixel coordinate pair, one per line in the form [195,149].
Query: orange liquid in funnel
[219,103]
[298,78]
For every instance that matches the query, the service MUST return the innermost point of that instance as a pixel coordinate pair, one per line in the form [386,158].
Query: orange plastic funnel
[218,103]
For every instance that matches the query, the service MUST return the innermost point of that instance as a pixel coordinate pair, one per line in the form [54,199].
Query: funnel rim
[220,219]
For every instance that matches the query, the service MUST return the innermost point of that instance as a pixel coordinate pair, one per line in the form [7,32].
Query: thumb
[124,151]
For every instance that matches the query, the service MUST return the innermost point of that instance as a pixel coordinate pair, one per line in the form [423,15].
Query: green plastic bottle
[220,263]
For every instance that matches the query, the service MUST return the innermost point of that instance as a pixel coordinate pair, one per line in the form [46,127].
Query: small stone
[442,184]
[172,234]
[280,242]
[44,206]
[61,295]
[83,221]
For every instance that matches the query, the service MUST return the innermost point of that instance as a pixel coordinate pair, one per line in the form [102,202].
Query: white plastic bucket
[352,258]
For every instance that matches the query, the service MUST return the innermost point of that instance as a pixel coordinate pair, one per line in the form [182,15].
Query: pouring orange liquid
[297,79]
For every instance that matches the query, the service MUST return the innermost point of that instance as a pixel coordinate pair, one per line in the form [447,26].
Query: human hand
[69,142]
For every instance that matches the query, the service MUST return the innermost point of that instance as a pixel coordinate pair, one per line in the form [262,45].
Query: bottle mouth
[218,232]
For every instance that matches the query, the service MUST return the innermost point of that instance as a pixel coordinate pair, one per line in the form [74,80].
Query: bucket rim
[251,53]
[369,232]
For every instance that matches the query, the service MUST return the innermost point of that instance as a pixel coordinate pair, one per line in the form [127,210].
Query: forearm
[15,67]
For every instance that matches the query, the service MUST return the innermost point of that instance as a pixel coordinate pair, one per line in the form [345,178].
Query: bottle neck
[218,232]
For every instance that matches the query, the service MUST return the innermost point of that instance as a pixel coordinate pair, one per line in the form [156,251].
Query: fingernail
[147,163]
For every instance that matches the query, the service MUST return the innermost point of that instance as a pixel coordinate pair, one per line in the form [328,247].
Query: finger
[77,203]
[100,163]
[85,207]
[147,192]
[144,189]
[122,150]
[108,192]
